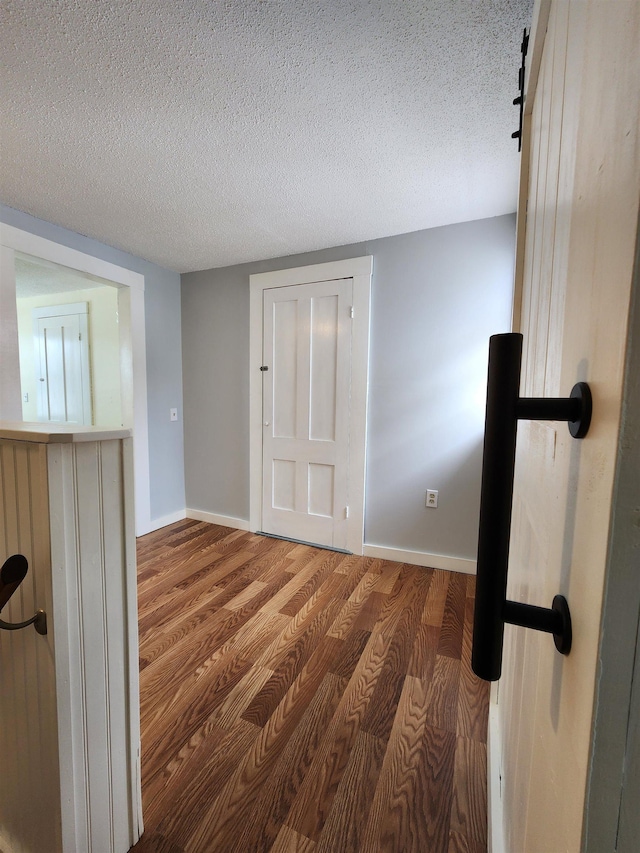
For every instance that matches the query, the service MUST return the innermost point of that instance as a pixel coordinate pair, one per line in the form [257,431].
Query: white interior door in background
[306,409]
[288,284]
[62,359]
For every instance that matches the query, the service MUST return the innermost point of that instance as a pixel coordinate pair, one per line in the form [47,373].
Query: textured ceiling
[35,277]
[199,134]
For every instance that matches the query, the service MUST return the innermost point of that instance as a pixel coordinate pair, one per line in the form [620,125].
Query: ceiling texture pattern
[202,133]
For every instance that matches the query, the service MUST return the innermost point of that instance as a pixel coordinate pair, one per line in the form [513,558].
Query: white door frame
[134,398]
[360,270]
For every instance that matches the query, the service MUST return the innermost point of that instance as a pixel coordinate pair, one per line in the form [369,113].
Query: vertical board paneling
[543,318]
[131,661]
[560,163]
[69,733]
[93,626]
[584,186]
[65,559]
[29,786]
[99,710]
[115,602]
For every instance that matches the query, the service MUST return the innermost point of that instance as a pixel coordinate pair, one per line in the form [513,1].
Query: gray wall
[164,356]
[437,297]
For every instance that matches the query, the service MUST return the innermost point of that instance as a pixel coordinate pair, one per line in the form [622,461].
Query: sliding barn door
[581,148]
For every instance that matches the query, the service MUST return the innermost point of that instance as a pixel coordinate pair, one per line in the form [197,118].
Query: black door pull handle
[504,408]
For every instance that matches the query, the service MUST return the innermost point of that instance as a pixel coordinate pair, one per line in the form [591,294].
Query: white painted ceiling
[199,134]
[36,277]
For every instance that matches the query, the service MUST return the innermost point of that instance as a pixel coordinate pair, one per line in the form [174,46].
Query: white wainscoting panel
[91,495]
[69,701]
[29,779]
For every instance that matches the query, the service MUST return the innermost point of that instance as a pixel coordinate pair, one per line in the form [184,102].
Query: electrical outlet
[431,498]
[173,414]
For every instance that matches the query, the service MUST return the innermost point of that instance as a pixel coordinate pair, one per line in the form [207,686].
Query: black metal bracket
[39,622]
[555,620]
[519,101]
[12,573]
[575,409]
[504,409]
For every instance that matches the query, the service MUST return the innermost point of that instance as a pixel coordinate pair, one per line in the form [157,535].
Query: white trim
[421,558]
[172,518]
[315,272]
[255,405]
[60,310]
[495,811]
[10,390]
[360,270]
[212,518]
[31,244]
[40,247]
[130,591]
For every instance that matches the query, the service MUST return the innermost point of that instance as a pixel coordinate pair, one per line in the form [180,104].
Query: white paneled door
[62,362]
[306,411]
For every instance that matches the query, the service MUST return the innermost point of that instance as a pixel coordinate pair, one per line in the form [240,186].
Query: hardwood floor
[296,699]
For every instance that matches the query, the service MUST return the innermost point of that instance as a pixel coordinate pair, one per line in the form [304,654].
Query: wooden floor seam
[298,699]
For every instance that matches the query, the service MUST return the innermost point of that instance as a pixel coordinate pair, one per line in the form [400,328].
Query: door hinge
[79,336]
[264,367]
[346,512]
[351,312]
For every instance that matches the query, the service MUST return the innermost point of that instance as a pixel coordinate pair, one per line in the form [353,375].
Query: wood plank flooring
[296,699]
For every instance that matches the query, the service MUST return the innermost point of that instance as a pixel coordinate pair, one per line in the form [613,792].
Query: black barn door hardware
[519,101]
[504,409]
[12,573]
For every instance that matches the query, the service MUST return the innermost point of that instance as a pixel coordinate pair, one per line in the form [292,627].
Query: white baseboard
[157,523]
[495,827]
[212,518]
[398,555]
[419,558]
